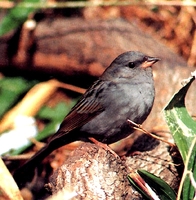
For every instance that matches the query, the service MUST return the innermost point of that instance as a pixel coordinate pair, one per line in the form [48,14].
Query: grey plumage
[124,91]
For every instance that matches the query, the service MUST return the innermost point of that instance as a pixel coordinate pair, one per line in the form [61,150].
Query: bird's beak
[149,62]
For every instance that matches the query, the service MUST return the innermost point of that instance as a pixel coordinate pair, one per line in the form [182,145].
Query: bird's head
[128,65]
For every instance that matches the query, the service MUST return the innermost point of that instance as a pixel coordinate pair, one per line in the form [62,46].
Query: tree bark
[93,173]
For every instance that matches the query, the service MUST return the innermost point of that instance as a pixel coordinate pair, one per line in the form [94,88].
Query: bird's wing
[86,109]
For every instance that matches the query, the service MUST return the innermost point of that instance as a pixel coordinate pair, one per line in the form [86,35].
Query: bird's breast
[121,102]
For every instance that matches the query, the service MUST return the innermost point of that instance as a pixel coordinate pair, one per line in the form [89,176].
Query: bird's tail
[25,172]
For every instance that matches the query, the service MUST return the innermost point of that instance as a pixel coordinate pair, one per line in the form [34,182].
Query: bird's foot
[104,146]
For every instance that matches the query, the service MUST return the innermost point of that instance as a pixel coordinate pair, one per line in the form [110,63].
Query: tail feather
[25,172]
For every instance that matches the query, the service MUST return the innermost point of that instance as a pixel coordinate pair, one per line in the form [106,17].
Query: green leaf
[183,130]
[11,90]
[55,115]
[132,182]
[58,112]
[189,168]
[15,17]
[163,190]
[182,126]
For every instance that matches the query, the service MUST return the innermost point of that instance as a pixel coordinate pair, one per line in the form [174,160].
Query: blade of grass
[15,17]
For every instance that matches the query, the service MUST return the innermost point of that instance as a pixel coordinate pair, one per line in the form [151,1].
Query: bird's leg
[104,146]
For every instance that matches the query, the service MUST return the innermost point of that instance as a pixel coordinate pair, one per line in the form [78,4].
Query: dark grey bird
[124,91]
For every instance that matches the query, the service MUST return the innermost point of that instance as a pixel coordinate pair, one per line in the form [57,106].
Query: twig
[139,127]
[71,87]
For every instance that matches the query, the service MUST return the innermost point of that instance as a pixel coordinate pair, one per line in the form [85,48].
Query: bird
[124,91]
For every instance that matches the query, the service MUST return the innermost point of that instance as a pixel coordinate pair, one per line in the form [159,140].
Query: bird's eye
[131,65]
